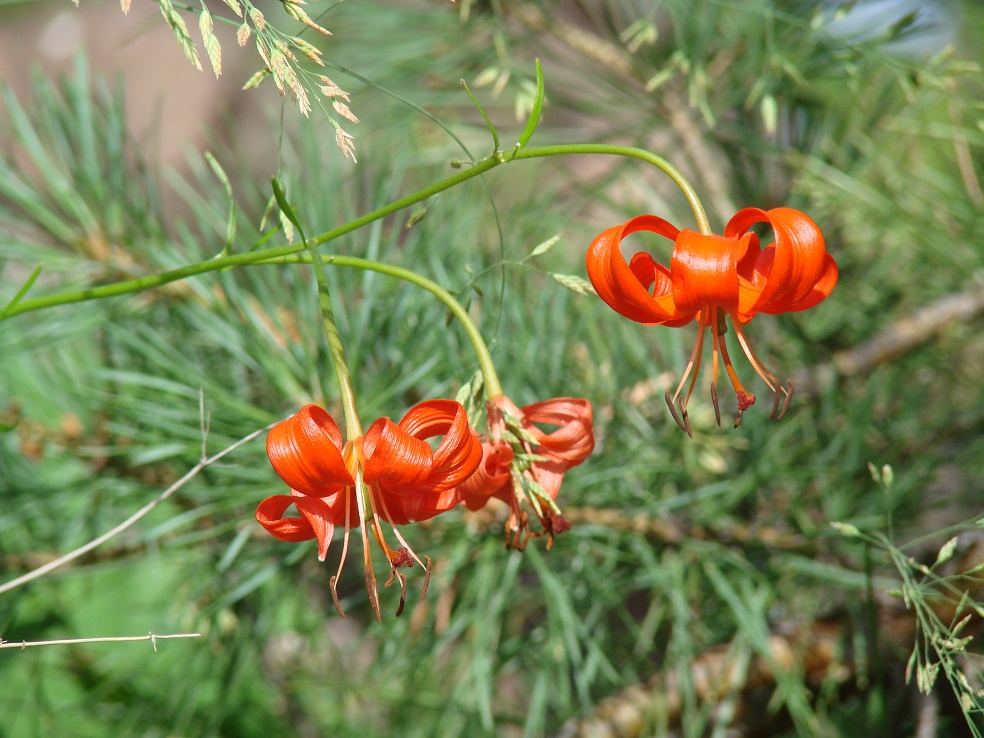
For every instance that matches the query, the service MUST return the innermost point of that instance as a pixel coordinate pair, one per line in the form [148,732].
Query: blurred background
[702,589]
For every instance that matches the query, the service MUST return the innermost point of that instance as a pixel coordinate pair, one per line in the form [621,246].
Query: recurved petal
[315,523]
[459,452]
[627,290]
[573,441]
[821,290]
[799,260]
[403,509]
[305,451]
[394,459]
[491,477]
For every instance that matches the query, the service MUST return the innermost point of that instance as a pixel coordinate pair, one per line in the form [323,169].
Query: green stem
[353,426]
[703,225]
[489,375]
[254,257]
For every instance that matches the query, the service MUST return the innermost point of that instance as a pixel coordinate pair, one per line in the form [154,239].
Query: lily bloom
[712,277]
[521,462]
[389,474]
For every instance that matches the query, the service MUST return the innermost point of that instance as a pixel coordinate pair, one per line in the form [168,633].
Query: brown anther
[427,576]
[739,416]
[333,585]
[673,411]
[776,399]
[714,401]
[686,419]
[789,398]
[403,591]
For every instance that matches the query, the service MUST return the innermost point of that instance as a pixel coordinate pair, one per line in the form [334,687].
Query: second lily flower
[711,277]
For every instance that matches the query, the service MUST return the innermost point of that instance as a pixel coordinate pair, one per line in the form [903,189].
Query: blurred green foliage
[762,105]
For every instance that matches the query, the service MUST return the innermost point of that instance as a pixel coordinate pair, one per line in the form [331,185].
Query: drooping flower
[521,462]
[390,474]
[711,277]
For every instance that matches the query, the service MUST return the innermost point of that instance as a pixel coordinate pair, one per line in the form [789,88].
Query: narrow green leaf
[227,186]
[488,121]
[23,290]
[534,119]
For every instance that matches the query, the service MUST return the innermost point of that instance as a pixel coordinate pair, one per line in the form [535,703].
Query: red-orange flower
[711,277]
[390,474]
[522,462]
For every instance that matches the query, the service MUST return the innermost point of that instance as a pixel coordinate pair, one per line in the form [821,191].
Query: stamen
[403,591]
[333,585]
[768,377]
[673,411]
[693,365]
[686,415]
[333,582]
[717,337]
[370,576]
[776,398]
[714,396]
[427,576]
[364,524]
[789,398]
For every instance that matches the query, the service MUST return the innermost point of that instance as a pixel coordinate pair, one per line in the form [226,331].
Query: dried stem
[82,550]
[152,637]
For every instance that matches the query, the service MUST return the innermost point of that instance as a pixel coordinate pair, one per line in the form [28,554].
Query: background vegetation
[703,589]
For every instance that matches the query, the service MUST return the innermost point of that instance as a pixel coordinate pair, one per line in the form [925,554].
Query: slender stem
[353,426]
[62,560]
[485,363]
[152,637]
[703,225]
[253,257]
[250,257]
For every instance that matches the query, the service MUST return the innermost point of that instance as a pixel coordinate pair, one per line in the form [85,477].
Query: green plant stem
[254,257]
[485,363]
[353,426]
[703,225]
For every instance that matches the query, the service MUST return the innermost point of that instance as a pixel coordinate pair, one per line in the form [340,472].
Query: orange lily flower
[390,474]
[522,462]
[711,277]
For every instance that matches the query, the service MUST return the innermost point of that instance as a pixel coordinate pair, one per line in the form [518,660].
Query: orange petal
[704,271]
[306,452]
[413,482]
[798,260]
[315,523]
[458,454]
[565,447]
[412,508]
[625,288]
[492,477]
[821,290]
[394,458]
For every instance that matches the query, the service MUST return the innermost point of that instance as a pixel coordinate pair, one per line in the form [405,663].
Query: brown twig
[896,339]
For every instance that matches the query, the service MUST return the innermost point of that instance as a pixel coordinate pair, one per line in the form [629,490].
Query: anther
[789,397]
[427,576]
[673,411]
[403,591]
[776,398]
[333,585]
[714,400]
